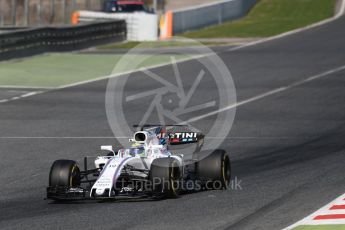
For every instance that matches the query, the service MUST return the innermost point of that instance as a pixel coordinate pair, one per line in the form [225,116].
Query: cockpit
[133,151]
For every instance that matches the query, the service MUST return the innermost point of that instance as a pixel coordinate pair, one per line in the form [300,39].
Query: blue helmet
[136,151]
[162,141]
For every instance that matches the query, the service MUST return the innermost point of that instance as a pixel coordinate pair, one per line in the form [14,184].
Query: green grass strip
[271,17]
[54,70]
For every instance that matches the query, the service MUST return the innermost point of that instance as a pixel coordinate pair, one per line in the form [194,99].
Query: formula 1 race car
[147,169]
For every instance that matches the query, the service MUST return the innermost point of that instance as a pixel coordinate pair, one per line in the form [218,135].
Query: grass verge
[270,17]
[55,70]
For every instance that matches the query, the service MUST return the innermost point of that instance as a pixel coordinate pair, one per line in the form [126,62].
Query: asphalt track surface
[287,149]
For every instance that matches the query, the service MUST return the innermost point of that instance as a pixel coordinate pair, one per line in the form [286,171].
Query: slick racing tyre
[64,173]
[214,171]
[165,176]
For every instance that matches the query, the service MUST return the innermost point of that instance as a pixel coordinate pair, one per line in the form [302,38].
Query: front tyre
[165,176]
[64,173]
[215,170]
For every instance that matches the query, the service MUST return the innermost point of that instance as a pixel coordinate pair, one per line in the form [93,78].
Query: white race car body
[114,165]
[118,173]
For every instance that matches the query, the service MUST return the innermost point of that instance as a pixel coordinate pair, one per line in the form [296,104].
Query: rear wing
[178,138]
[174,137]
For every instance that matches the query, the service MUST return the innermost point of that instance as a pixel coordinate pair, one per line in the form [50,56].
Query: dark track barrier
[48,39]
[210,14]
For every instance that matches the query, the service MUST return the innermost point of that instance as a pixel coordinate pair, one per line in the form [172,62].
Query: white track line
[338,15]
[128,72]
[269,93]
[21,96]
[255,98]
[31,94]
[24,87]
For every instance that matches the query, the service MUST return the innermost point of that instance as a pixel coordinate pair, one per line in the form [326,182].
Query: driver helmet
[137,151]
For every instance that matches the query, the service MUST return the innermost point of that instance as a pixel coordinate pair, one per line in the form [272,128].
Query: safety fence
[49,12]
[42,12]
[29,42]
[140,26]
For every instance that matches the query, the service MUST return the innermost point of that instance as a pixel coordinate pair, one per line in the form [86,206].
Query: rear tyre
[214,171]
[64,173]
[165,176]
